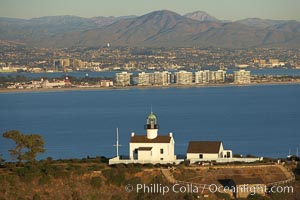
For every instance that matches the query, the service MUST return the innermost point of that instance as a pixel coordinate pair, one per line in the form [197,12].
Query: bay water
[260,120]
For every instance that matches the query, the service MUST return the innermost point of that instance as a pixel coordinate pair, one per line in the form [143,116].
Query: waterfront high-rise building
[123,79]
[206,76]
[155,78]
[220,76]
[161,78]
[143,79]
[199,77]
[242,77]
[184,77]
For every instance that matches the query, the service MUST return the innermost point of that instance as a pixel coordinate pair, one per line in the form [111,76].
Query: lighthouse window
[161,151]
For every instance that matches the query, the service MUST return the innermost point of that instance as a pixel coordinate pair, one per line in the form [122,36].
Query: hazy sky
[222,9]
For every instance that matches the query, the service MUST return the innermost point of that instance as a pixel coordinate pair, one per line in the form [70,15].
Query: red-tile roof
[144,139]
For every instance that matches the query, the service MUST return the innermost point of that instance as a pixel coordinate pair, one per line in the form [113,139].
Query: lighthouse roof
[152,117]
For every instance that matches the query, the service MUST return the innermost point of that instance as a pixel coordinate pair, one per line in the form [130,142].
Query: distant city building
[143,79]
[156,78]
[199,77]
[206,76]
[219,76]
[61,64]
[123,79]
[184,77]
[241,77]
[58,83]
[106,83]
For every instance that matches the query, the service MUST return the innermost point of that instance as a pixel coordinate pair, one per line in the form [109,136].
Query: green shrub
[96,167]
[114,176]
[96,182]
[116,197]
[134,181]
[60,173]
[45,180]
[36,197]
[27,173]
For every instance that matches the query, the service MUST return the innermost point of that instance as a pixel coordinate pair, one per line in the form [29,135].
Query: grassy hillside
[93,179]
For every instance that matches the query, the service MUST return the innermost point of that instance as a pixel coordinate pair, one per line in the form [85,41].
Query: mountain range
[156,29]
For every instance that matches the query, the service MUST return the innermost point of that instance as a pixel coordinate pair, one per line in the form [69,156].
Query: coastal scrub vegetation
[92,177]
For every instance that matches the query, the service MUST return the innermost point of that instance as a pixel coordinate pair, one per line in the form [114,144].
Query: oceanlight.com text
[211,188]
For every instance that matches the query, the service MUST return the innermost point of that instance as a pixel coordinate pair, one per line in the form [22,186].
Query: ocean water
[112,74]
[258,120]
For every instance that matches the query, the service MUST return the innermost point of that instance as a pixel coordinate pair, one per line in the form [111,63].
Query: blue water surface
[258,120]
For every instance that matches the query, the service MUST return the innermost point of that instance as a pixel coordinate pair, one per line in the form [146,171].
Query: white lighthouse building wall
[159,152]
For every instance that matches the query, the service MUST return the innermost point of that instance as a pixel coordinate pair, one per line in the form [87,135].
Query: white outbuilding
[207,151]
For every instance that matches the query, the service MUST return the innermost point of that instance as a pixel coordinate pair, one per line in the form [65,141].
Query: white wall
[206,156]
[168,148]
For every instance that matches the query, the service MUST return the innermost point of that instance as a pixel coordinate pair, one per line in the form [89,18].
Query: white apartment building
[123,79]
[144,79]
[242,77]
[206,76]
[184,77]
[155,78]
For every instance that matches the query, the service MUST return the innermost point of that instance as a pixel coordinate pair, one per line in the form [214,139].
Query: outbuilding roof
[204,147]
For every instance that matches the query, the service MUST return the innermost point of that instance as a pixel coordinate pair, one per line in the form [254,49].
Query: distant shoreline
[5,90]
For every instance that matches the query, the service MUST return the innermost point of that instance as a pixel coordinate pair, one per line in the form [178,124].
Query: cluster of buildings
[41,84]
[66,64]
[269,63]
[154,148]
[181,77]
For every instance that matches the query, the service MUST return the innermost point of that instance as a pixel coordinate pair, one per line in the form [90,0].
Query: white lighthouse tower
[152,126]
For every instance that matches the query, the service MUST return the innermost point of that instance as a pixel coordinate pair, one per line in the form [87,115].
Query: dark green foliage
[27,146]
[134,181]
[133,168]
[96,167]
[27,173]
[11,179]
[78,169]
[96,182]
[115,176]
[44,180]
[116,197]
[75,195]
[36,197]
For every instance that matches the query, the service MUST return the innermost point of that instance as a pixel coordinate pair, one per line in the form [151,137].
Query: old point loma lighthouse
[155,148]
[150,147]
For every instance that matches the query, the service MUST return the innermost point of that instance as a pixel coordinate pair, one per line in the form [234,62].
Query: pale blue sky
[222,9]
